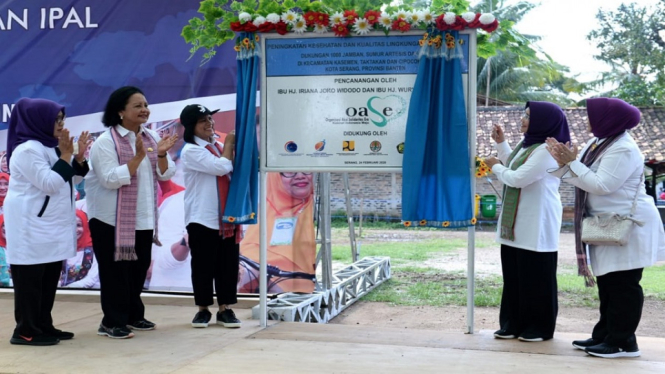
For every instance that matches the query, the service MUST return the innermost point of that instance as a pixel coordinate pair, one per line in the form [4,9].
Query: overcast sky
[564,25]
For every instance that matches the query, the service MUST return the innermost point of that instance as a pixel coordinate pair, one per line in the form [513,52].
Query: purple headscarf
[610,117]
[32,119]
[546,120]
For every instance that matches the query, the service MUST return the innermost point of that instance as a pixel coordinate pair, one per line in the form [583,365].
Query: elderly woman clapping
[608,177]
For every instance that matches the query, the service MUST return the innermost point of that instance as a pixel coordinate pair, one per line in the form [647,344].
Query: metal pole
[263,251]
[471,110]
[325,251]
[349,218]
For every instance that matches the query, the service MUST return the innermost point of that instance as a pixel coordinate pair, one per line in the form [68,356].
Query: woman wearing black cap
[213,244]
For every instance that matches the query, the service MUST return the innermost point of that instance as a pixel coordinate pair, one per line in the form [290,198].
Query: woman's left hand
[492,161]
[166,143]
[83,140]
[562,153]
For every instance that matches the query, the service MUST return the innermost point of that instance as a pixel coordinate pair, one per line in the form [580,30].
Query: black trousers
[621,301]
[529,301]
[34,295]
[214,262]
[121,282]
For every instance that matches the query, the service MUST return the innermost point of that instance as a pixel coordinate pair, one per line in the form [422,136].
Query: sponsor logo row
[346,146]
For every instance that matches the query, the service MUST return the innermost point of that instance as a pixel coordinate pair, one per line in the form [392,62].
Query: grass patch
[653,282]
[423,286]
[399,252]
[431,287]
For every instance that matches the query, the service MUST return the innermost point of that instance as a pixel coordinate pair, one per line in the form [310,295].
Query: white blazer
[611,183]
[539,213]
[40,217]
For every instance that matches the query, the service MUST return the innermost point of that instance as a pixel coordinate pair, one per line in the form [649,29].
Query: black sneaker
[503,334]
[530,337]
[34,340]
[62,335]
[609,351]
[202,318]
[142,325]
[228,319]
[583,344]
[114,332]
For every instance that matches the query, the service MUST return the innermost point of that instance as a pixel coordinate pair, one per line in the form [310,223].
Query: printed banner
[352,98]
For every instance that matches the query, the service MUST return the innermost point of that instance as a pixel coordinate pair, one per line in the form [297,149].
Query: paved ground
[175,347]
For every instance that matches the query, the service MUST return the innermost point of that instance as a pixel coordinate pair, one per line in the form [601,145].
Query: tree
[629,41]
[520,71]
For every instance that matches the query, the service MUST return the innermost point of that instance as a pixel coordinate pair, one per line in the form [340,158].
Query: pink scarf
[125,218]
[226,230]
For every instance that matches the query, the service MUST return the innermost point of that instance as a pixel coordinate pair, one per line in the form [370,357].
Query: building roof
[649,135]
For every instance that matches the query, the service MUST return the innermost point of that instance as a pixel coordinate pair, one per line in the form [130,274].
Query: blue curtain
[242,202]
[436,189]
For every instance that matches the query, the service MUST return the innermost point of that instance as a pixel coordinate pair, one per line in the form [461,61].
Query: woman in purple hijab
[529,224]
[609,178]
[40,218]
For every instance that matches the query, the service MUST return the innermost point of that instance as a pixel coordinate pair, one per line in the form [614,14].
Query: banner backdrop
[76,52]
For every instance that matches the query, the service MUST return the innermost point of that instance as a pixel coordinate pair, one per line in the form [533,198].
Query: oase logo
[284,225]
[381,110]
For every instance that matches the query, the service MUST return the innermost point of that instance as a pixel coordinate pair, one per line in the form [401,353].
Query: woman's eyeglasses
[526,116]
[291,175]
[60,120]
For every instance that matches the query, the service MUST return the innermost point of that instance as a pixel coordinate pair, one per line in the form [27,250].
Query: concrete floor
[175,347]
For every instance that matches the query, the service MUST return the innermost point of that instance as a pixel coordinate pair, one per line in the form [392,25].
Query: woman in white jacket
[608,176]
[530,223]
[40,214]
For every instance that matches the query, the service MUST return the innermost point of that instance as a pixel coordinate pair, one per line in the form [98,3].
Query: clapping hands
[562,153]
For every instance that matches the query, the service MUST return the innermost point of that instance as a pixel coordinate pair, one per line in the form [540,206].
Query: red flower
[340,29]
[350,16]
[460,24]
[491,27]
[372,16]
[237,26]
[281,28]
[266,27]
[476,22]
[322,19]
[401,25]
[441,24]
[250,27]
[310,18]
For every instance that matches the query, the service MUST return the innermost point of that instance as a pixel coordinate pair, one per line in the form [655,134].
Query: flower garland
[342,24]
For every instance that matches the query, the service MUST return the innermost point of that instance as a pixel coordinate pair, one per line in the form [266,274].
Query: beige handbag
[610,229]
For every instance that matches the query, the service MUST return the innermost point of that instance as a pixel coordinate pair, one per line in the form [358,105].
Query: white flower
[362,26]
[336,18]
[258,21]
[299,26]
[469,16]
[427,17]
[385,21]
[486,18]
[273,18]
[449,18]
[290,17]
[320,29]
[244,17]
[414,18]
[403,14]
